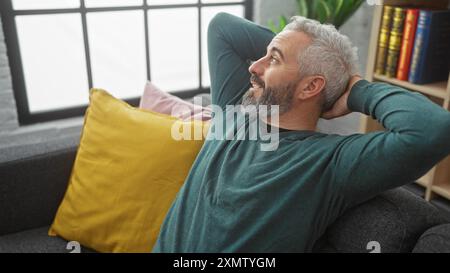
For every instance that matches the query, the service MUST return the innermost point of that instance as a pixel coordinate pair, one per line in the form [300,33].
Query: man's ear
[311,86]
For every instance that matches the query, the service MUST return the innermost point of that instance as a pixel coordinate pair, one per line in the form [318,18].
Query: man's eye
[273,60]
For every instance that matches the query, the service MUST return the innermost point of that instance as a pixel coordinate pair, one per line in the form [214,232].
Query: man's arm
[232,42]
[417,137]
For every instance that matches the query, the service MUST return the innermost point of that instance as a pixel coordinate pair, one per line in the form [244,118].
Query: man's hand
[340,108]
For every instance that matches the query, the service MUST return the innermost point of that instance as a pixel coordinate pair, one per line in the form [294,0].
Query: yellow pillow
[127,172]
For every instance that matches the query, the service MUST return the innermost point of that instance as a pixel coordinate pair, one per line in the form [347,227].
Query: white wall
[265,10]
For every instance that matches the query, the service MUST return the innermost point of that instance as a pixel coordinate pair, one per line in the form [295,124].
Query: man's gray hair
[331,55]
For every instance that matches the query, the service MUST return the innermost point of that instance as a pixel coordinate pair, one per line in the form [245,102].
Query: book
[431,54]
[383,41]
[409,33]
[395,42]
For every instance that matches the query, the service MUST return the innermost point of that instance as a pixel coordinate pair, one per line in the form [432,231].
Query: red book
[409,33]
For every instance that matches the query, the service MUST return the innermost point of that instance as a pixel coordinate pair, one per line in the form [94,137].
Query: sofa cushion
[154,99]
[129,168]
[434,240]
[395,219]
[35,241]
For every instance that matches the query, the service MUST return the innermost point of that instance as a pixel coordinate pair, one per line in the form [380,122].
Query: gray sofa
[32,186]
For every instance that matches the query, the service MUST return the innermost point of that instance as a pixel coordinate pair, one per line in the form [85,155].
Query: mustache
[254,78]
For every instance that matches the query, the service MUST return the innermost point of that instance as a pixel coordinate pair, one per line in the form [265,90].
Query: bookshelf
[437,181]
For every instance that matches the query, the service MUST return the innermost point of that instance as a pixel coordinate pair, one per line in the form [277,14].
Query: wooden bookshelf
[437,180]
[438,90]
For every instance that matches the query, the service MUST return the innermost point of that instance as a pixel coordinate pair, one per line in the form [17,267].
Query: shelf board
[438,89]
[443,190]
[422,182]
[425,180]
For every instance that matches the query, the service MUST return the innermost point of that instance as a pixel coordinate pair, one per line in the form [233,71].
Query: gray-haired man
[238,198]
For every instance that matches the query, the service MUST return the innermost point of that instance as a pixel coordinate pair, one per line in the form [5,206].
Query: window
[59,49]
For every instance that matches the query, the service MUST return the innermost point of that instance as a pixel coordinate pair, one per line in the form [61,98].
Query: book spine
[409,34]
[420,46]
[395,42]
[434,67]
[383,41]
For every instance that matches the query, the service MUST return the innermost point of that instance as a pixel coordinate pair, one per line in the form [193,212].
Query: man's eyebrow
[277,50]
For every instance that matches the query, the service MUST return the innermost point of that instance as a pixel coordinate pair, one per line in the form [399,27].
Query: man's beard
[281,95]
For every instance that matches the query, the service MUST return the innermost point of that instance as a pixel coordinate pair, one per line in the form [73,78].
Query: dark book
[431,54]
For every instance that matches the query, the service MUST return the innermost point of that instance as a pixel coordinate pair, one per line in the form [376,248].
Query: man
[238,198]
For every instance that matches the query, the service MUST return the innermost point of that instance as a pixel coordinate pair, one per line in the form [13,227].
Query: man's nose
[257,67]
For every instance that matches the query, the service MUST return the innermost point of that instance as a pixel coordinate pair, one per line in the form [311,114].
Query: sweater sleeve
[232,43]
[416,138]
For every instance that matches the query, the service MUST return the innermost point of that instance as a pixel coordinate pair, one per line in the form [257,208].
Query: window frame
[15,61]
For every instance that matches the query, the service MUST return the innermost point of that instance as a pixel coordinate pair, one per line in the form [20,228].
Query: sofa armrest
[434,240]
[32,188]
[395,219]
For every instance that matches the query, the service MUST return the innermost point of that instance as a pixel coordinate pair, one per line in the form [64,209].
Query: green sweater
[238,198]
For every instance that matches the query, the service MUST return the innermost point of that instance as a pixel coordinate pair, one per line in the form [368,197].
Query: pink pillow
[162,102]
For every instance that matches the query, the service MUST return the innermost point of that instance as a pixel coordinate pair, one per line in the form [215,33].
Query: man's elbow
[439,134]
[217,22]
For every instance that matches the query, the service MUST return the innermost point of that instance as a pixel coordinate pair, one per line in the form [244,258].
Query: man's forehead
[289,42]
